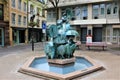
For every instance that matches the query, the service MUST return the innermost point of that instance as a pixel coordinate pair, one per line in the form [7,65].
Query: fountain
[60,62]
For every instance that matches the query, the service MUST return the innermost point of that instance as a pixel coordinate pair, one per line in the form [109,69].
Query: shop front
[4,34]
[37,35]
[18,35]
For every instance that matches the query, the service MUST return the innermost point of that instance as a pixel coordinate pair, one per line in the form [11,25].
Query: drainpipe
[27,21]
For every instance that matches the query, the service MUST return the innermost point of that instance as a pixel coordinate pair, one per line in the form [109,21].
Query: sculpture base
[61,61]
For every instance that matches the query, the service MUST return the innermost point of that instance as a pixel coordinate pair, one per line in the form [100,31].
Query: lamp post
[32,40]
[32,25]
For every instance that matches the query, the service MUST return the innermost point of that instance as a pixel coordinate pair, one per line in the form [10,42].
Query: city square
[15,58]
[59,39]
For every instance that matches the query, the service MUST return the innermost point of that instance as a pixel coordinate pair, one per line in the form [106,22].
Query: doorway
[21,36]
[97,34]
[83,35]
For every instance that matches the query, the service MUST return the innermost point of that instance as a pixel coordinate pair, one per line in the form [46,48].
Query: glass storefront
[18,36]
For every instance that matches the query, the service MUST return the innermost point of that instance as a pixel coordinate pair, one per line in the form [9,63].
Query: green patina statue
[61,45]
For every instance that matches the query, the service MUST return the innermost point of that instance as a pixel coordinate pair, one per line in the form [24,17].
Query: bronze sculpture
[61,45]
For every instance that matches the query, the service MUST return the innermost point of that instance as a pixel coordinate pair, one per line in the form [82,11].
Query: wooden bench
[96,44]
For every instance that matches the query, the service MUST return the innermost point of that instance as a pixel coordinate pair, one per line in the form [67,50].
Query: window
[24,20]
[19,19]
[31,9]
[38,22]
[19,4]
[51,15]
[77,12]
[38,11]
[62,11]
[42,1]
[84,12]
[43,13]
[102,9]
[109,8]
[115,8]
[95,11]
[13,18]
[13,3]
[25,7]
[1,12]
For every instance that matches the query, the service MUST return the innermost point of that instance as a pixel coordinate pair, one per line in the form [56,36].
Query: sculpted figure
[61,45]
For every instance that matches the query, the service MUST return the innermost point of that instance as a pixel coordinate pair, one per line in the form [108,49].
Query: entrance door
[1,37]
[21,36]
[97,34]
[83,34]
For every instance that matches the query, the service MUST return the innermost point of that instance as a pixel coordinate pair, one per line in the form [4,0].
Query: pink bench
[96,44]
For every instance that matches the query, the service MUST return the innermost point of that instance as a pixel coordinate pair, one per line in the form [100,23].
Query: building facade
[20,12]
[35,8]
[4,23]
[99,18]
[18,21]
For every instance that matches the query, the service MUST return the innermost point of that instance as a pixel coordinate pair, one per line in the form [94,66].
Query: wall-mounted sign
[44,25]
[89,39]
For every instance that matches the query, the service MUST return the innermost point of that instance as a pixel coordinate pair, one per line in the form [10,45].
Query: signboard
[89,39]
[43,25]
[44,30]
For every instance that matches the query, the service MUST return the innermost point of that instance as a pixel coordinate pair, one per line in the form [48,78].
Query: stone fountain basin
[39,66]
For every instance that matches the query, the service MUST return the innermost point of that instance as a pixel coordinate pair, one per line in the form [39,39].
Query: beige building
[100,18]
[35,8]
[20,12]
[18,21]
[4,23]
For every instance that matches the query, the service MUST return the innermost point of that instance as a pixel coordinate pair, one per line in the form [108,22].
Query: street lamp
[32,24]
